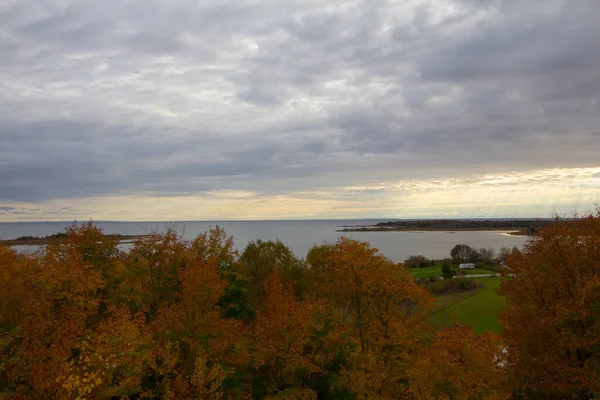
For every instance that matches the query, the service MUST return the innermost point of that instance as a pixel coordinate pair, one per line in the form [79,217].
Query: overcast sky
[269,109]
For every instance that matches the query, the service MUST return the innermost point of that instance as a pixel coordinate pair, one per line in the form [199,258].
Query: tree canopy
[195,319]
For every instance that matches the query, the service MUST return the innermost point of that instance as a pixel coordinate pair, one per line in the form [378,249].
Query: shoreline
[407,229]
[51,240]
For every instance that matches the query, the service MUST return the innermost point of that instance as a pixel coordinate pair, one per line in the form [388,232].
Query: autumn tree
[215,245]
[102,253]
[280,334]
[159,331]
[383,306]
[57,342]
[552,322]
[92,244]
[193,337]
[461,365]
[154,261]
[182,291]
[298,347]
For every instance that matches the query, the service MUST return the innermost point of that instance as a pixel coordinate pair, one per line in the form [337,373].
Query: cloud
[171,98]
[538,193]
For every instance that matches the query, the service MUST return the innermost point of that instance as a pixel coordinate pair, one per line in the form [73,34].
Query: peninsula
[515,226]
[59,237]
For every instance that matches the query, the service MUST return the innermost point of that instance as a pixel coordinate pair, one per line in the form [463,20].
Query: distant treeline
[58,235]
[61,236]
[524,226]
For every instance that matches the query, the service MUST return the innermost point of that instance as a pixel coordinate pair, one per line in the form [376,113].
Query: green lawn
[426,272]
[448,300]
[437,271]
[479,310]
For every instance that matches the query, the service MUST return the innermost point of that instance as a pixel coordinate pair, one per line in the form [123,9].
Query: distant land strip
[517,227]
[59,237]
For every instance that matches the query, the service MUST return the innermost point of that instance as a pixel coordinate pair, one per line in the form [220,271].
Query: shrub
[442,287]
[417,262]
[482,265]
[447,271]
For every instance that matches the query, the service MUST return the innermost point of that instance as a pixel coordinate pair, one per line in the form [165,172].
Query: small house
[466,266]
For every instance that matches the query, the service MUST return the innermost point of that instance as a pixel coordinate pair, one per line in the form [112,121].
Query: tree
[417,262]
[384,308]
[459,365]
[155,261]
[215,245]
[487,256]
[462,253]
[280,337]
[194,344]
[261,258]
[47,305]
[552,321]
[235,302]
[503,254]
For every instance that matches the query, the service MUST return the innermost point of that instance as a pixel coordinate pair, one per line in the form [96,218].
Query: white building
[466,266]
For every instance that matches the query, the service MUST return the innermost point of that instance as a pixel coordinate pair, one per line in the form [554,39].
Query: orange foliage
[281,335]
[215,245]
[552,322]
[460,365]
[57,299]
[384,308]
[82,320]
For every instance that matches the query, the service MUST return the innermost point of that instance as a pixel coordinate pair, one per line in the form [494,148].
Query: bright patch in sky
[537,193]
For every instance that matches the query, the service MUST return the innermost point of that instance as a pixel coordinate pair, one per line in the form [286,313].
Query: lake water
[298,235]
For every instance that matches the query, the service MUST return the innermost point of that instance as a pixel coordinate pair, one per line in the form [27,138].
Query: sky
[313,109]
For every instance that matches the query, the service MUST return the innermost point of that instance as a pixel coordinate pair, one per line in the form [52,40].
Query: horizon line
[279,220]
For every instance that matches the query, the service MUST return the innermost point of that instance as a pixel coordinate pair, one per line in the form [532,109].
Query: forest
[196,319]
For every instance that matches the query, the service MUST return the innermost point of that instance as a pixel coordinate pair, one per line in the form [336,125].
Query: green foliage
[215,245]
[462,253]
[436,272]
[457,285]
[235,302]
[417,262]
[447,271]
[262,258]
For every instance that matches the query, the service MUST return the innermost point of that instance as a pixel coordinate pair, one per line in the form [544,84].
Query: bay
[299,235]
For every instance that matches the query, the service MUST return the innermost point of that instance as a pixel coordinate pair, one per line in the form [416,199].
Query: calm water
[298,235]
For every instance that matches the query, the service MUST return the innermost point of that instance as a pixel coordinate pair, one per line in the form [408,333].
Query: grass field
[477,309]
[437,271]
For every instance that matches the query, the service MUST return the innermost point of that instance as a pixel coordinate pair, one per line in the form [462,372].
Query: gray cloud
[176,98]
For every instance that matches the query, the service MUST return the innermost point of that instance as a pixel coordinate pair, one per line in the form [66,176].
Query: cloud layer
[168,100]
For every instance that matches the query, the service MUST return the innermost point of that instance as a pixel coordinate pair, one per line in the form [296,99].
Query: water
[298,235]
